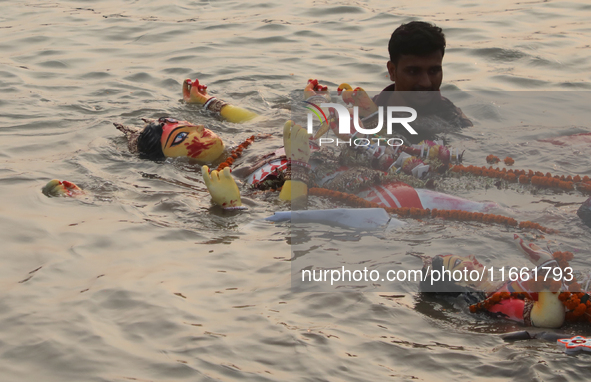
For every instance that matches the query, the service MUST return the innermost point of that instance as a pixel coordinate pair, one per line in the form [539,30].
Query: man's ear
[391,70]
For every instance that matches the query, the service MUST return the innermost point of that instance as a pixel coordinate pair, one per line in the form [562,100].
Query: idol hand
[314,92]
[193,92]
[358,97]
[534,253]
[344,88]
[222,187]
[296,142]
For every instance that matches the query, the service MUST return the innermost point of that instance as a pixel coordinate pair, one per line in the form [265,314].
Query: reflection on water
[143,280]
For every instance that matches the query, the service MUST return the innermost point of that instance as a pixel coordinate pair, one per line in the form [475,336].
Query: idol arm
[196,93]
[296,141]
[548,311]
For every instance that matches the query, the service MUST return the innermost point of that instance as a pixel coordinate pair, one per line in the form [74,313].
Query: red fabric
[387,195]
[512,308]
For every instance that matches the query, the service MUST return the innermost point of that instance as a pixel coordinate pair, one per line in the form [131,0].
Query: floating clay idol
[576,344]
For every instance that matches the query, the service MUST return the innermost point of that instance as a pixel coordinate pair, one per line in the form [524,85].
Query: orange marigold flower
[564,296]
[492,159]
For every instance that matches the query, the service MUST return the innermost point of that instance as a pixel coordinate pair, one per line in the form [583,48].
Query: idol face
[183,139]
[61,188]
[454,262]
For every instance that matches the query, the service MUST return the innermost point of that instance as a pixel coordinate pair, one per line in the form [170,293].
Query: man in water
[416,51]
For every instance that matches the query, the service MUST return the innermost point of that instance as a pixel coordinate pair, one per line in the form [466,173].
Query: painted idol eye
[179,138]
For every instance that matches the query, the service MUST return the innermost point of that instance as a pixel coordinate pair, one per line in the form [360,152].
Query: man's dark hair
[416,38]
[584,212]
[148,142]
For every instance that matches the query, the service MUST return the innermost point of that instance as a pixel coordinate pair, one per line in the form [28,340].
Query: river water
[140,280]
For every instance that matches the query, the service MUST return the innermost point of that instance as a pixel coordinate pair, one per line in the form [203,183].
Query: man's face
[418,73]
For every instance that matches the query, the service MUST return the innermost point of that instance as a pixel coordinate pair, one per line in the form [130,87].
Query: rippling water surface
[142,281]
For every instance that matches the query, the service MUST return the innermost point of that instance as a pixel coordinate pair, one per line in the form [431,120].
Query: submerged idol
[373,173]
[380,175]
[547,296]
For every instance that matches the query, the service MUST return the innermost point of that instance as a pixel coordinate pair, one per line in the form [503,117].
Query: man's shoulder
[444,106]
[381,99]
[456,112]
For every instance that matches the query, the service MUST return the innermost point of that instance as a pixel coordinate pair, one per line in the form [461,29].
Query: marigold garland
[578,310]
[528,224]
[235,154]
[524,177]
[418,213]
[509,161]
